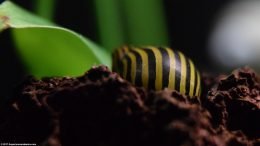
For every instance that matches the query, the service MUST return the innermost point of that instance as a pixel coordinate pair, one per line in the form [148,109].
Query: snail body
[157,68]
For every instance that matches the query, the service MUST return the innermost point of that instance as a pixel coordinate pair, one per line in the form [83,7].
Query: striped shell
[157,68]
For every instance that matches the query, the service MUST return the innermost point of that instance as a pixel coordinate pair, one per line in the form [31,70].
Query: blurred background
[218,35]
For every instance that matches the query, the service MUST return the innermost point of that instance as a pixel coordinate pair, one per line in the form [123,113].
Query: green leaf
[49,50]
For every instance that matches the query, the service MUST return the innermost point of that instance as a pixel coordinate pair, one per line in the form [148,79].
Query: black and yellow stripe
[157,68]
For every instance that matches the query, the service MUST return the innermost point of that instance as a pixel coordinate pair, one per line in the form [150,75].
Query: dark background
[189,25]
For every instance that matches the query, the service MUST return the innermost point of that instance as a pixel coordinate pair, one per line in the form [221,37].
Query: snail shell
[157,68]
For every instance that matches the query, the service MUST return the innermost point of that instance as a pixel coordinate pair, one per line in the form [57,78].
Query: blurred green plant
[110,26]
[45,8]
[49,50]
[146,22]
[135,22]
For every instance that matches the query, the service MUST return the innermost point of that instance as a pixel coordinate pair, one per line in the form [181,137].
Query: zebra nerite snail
[157,68]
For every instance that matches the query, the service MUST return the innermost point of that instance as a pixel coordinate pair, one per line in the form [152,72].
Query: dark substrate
[102,109]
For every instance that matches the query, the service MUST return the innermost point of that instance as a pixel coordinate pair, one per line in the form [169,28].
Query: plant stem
[145,22]
[45,8]
[109,23]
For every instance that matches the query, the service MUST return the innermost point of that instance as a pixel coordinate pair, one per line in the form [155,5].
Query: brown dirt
[102,109]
